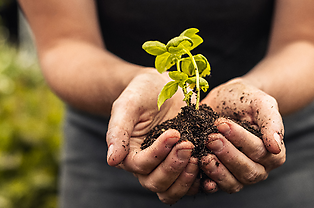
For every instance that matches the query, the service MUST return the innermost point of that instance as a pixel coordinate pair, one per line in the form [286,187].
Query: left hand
[241,158]
[165,167]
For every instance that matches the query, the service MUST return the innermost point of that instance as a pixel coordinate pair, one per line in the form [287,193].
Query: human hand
[165,167]
[241,158]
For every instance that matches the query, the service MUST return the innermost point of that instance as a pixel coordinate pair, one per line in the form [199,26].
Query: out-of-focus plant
[30,135]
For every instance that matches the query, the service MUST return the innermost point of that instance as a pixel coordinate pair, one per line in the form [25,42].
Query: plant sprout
[190,69]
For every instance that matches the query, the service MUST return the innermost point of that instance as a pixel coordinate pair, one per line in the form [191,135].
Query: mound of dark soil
[194,126]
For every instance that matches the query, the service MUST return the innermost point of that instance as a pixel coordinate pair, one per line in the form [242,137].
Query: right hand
[240,158]
[165,167]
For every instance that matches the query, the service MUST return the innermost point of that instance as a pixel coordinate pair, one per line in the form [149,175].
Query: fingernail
[215,145]
[278,139]
[110,151]
[171,141]
[184,154]
[224,128]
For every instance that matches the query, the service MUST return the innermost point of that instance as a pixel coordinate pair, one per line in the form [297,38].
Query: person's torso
[235,32]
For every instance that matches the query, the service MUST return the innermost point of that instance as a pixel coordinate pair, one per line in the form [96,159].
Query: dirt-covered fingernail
[171,141]
[278,139]
[215,145]
[110,151]
[184,154]
[224,129]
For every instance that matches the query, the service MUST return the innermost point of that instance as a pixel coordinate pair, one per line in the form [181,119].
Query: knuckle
[167,200]
[259,154]
[154,187]
[140,167]
[253,176]
[208,160]
[174,168]
[189,177]
[121,166]
[281,161]
[277,163]
[140,170]
[235,189]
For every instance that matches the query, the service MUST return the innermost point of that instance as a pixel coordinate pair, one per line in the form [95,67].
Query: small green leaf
[201,62]
[178,76]
[177,44]
[167,92]
[196,39]
[203,83]
[164,62]
[154,47]
[187,66]
[203,65]
[189,32]
[191,80]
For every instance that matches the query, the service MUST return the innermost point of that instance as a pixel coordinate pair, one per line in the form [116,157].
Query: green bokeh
[30,134]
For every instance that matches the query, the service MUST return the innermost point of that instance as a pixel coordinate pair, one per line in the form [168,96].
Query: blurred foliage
[30,133]
[5,2]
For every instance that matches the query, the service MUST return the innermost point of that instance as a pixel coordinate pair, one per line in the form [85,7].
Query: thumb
[270,121]
[120,128]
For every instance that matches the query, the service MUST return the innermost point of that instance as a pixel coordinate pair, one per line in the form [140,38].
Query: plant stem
[178,65]
[198,91]
[184,88]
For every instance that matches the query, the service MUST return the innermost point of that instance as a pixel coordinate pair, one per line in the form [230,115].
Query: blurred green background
[30,125]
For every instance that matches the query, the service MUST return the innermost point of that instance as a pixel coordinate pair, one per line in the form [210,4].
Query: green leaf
[164,62]
[203,83]
[178,44]
[167,92]
[154,48]
[187,66]
[178,76]
[191,80]
[203,65]
[191,33]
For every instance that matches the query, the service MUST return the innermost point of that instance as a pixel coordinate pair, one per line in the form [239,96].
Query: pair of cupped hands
[239,158]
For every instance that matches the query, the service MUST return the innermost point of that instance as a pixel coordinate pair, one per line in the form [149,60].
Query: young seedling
[190,69]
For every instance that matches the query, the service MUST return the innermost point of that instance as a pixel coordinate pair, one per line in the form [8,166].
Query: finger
[243,168]
[169,170]
[210,186]
[252,146]
[145,161]
[182,185]
[218,173]
[195,188]
[121,124]
[246,142]
[268,118]
[241,100]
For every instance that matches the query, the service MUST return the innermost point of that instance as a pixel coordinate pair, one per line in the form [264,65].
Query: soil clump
[194,126]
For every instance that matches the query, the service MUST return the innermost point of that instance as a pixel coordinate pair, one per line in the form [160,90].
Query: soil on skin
[194,126]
